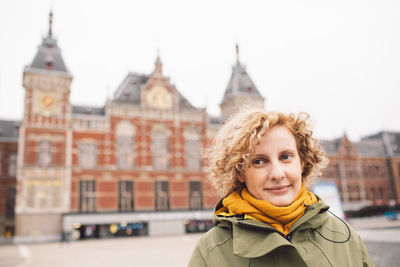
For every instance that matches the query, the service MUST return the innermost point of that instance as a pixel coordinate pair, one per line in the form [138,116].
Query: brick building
[8,173]
[134,166]
[366,172]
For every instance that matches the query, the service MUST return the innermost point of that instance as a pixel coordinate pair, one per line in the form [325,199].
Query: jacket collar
[249,240]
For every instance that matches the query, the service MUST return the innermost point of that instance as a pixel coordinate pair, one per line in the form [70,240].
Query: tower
[44,156]
[240,92]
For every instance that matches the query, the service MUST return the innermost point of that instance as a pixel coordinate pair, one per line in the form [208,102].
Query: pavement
[382,239]
[169,251]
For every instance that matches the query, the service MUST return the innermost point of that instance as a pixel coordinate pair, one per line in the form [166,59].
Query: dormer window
[49,62]
[49,65]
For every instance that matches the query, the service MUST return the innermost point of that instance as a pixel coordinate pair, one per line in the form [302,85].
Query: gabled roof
[390,140]
[330,147]
[382,144]
[48,57]
[9,130]
[371,148]
[129,90]
[240,83]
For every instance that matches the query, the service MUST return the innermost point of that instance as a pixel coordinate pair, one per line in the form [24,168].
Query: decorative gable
[347,149]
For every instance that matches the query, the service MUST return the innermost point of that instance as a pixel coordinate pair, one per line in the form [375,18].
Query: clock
[46,103]
[159,97]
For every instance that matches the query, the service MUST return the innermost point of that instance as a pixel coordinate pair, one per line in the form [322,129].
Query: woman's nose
[276,172]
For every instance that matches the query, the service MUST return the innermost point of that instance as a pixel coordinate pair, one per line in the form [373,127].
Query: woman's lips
[278,189]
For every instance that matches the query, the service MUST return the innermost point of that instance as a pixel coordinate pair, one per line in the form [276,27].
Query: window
[160,148]
[125,202]
[373,192]
[358,192]
[384,171]
[162,195]
[350,192]
[381,193]
[193,149]
[378,171]
[87,196]
[124,152]
[349,170]
[87,155]
[44,153]
[365,171]
[12,165]
[195,196]
[125,145]
[10,202]
[337,170]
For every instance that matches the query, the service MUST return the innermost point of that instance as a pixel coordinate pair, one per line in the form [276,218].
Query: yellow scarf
[281,218]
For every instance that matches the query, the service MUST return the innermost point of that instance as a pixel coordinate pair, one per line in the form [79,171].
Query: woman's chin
[283,201]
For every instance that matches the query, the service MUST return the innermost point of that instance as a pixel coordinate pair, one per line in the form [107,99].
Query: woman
[263,163]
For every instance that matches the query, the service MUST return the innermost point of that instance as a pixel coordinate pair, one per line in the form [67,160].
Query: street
[383,245]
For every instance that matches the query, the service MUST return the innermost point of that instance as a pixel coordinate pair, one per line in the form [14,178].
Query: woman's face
[274,173]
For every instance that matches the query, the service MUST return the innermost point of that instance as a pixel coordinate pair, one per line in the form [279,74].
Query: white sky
[337,60]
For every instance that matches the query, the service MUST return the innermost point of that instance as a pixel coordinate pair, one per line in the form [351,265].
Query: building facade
[8,174]
[135,166]
[366,172]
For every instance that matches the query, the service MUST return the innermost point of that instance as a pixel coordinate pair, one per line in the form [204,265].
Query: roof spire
[158,64]
[50,22]
[237,53]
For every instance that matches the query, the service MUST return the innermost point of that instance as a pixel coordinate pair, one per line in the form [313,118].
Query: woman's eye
[258,161]
[286,156]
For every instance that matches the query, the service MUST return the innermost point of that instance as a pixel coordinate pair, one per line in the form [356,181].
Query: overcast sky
[337,60]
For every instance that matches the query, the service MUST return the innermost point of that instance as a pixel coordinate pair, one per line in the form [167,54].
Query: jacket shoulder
[215,237]
[209,242]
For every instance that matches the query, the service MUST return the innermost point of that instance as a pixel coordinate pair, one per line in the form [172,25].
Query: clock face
[159,97]
[46,103]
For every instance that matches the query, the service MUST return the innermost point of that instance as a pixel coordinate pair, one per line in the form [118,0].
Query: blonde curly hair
[236,140]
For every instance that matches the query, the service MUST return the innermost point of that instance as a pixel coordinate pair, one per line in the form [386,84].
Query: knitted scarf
[280,218]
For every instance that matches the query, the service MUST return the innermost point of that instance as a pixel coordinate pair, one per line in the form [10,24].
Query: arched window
[125,134]
[160,147]
[193,149]
[12,165]
[87,154]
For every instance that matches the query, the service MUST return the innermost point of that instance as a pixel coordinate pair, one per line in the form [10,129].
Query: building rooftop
[9,130]
[240,82]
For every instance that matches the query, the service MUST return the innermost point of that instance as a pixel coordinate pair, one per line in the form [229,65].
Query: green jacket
[316,239]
